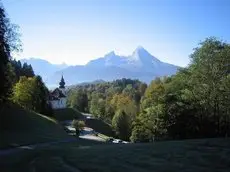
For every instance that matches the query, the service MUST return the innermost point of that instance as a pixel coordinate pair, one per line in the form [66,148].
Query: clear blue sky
[76,31]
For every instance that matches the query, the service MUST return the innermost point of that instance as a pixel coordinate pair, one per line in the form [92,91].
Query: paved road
[92,137]
[86,133]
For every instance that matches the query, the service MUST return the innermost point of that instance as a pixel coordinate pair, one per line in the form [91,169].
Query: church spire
[62,83]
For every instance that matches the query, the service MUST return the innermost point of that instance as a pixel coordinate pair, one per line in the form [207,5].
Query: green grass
[84,155]
[103,136]
[67,114]
[190,155]
[100,126]
[21,127]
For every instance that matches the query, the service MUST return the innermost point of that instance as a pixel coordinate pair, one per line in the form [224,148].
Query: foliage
[21,69]
[124,103]
[78,125]
[140,132]
[104,99]
[122,125]
[9,42]
[32,94]
[192,104]
[78,100]
[97,105]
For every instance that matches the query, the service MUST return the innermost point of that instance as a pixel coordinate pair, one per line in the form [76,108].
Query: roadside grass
[100,126]
[190,155]
[103,136]
[22,127]
[67,114]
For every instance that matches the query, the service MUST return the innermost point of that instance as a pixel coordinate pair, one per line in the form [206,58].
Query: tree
[42,94]
[97,105]
[181,107]
[27,70]
[21,70]
[23,93]
[78,100]
[197,98]
[122,125]
[121,102]
[78,125]
[140,132]
[153,94]
[9,42]
[150,125]
[32,94]
[210,69]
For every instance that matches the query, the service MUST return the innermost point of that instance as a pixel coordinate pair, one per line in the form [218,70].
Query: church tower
[62,85]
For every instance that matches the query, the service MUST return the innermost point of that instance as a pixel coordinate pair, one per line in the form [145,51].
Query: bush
[78,125]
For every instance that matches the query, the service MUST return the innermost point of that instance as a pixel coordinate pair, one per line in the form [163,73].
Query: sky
[77,31]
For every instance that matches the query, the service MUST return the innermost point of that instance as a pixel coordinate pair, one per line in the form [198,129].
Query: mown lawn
[100,126]
[190,155]
[22,127]
[67,114]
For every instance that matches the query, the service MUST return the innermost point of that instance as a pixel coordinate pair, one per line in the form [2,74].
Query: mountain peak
[110,54]
[140,48]
[140,51]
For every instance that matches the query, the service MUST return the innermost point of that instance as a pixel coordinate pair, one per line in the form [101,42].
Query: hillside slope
[67,114]
[187,156]
[21,127]
[100,126]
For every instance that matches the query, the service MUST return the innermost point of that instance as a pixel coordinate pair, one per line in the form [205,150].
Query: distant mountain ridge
[139,65]
[44,68]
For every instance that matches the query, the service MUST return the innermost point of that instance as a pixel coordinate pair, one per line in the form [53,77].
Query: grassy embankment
[189,155]
[22,127]
[67,114]
[100,126]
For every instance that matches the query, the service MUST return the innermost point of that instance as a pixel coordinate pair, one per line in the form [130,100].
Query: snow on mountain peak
[140,58]
[110,54]
[139,48]
[142,55]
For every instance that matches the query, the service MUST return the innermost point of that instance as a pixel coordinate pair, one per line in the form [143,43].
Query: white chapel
[57,97]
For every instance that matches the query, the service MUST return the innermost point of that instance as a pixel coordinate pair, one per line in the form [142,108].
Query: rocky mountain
[139,65]
[140,61]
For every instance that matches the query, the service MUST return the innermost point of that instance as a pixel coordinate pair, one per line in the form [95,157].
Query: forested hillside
[194,103]
[105,99]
